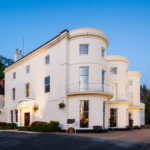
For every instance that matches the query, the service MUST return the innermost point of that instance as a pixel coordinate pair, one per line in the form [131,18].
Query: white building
[72,68]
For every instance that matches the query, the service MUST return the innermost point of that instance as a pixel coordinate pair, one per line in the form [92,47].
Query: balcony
[140,105]
[121,98]
[91,88]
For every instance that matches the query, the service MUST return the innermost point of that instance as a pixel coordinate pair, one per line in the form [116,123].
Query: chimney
[18,55]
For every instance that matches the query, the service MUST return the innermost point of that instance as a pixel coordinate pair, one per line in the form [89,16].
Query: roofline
[38,48]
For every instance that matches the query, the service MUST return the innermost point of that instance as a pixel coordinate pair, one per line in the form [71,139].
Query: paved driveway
[20,141]
[141,136]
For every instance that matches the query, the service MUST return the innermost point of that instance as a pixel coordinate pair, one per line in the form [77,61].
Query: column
[18,116]
[31,113]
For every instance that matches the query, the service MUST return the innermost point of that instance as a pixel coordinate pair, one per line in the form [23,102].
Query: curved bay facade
[73,69]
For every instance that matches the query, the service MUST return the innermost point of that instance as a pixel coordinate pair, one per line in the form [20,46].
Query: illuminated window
[47,84]
[3,100]
[113,117]
[103,53]
[11,113]
[27,69]
[47,60]
[14,75]
[130,82]
[27,90]
[84,114]
[83,49]
[13,91]
[113,70]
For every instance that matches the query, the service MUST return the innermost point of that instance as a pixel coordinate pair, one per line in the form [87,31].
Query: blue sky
[125,22]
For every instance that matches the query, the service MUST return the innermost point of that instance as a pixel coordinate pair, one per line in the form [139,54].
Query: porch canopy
[26,102]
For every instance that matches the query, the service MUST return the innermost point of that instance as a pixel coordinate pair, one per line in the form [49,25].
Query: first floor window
[11,112]
[102,53]
[83,49]
[27,69]
[27,90]
[113,70]
[13,90]
[47,60]
[47,84]
[114,85]
[14,75]
[16,115]
[130,82]
[84,114]
[130,96]
[113,117]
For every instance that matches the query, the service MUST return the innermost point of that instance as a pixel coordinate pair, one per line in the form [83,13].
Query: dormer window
[14,75]
[83,49]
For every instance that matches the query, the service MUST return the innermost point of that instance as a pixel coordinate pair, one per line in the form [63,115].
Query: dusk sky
[125,22]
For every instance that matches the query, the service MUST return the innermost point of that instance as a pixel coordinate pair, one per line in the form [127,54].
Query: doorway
[26,119]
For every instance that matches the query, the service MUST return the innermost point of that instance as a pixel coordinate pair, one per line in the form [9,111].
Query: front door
[26,119]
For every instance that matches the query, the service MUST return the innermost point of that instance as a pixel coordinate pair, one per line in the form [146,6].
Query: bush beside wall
[24,128]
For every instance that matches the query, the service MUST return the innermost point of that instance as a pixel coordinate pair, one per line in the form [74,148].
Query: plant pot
[71,130]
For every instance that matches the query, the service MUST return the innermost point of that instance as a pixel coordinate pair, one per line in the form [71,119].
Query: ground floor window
[104,114]
[11,112]
[16,115]
[84,114]
[113,117]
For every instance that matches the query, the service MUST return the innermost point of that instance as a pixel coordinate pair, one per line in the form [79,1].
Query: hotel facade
[72,69]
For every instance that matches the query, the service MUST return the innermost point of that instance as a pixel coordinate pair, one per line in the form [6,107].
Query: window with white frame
[28,69]
[84,114]
[83,49]
[113,117]
[16,115]
[130,82]
[113,70]
[27,90]
[104,114]
[14,75]
[130,96]
[47,60]
[103,53]
[11,113]
[13,93]
[47,84]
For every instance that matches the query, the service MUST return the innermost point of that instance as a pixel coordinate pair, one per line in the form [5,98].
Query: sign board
[70,121]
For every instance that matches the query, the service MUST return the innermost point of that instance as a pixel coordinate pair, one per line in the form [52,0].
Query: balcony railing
[89,88]
[122,97]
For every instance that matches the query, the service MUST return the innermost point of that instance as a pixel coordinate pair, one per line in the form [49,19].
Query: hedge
[5,127]
[3,123]
[46,127]
[24,128]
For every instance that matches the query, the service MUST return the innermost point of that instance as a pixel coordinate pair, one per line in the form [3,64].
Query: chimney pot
[20,51]
[17,50]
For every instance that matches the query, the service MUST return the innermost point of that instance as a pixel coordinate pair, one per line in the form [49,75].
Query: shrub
[46,127]
[33,123]
[8,127]
[3,123]
[2,127]
[24,128]
[12,125]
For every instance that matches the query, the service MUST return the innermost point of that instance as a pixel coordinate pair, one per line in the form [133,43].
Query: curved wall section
[117,74]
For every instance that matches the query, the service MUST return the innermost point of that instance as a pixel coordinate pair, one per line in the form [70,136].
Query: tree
[145,98]
[4,62]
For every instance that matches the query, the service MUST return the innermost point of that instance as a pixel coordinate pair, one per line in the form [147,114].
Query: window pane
[47,60]
[84,71]
[47,88]
[102,73]
[83,49]
[84,120]
[47,80]
[113,70]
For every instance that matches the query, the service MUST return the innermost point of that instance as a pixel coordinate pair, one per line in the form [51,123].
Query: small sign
[70,121]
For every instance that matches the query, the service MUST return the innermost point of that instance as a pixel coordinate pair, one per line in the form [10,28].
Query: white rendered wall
[135,116]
